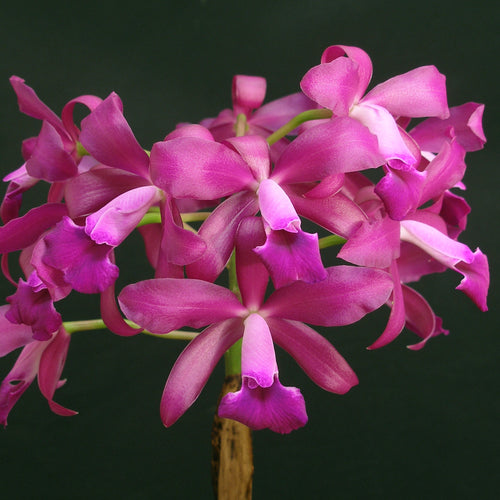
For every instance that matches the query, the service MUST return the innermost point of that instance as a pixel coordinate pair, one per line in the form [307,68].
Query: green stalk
[311,114]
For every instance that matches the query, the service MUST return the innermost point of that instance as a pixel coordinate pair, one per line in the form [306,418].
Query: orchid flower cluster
[230,195]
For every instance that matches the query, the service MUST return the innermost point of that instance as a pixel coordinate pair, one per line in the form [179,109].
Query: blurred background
[420,424]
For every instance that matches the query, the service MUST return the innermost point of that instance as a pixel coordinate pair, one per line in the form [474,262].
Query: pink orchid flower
[43,359]
[343,297]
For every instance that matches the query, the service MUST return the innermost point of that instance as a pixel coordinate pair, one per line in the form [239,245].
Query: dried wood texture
[232,455]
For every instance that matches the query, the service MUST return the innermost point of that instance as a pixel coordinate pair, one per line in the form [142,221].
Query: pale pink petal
[315,355]
[381,123]
[193,367]
[162,305]
[344,297]
[276,208]
[417,93]
[116,220]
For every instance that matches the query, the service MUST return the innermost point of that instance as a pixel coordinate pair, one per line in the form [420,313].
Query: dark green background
[420,424]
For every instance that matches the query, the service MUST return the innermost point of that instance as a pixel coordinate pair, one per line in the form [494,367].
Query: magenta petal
[85,264]
[193,367]
[276,208]
[444,171]
[190,130]
[19,182]
[333,85]
[339,214]
[417,93]
[20,377]
[292,256]
[374,244]
[35,308]
[162,305]
[12,335]
[258,360]
[218,232]
[107,136]
[401,191]
[316,356]
[23,231]
[253,276]
[359,56]
[339,145]
[111,315]
[453,254]
[49,160]
[397,317]
[466,122]
[476,279]
[189,167]
[101,186]
[344,297]
[248,92]
[116,220]
[420,318]
[179,246]
[278,408]
[31,105]
[90,101]
[254,150]
[262,402]
[49,373]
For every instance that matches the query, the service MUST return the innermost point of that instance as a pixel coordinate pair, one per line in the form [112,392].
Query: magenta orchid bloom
[343,297]
[339,83]
[39,358]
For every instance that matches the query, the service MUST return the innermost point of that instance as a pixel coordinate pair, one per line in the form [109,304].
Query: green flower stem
[241,125]
[311,114]
[98,324]
[330,241]
[153,216]
[232,357]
